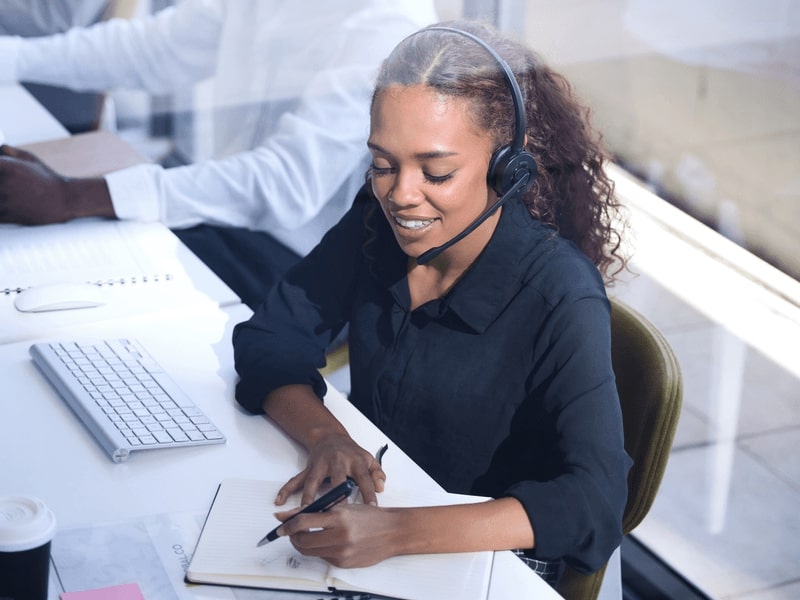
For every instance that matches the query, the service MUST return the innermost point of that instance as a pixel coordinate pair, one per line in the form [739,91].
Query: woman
[489,364]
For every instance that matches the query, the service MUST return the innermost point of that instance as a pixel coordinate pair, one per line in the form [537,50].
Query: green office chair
[650,391]
[335,359]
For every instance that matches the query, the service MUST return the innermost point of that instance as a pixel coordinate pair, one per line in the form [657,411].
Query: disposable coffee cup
[27,527]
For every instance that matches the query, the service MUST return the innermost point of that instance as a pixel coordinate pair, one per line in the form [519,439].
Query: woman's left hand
[333,458]
[348,535]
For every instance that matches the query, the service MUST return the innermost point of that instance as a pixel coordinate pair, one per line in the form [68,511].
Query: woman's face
[429,164]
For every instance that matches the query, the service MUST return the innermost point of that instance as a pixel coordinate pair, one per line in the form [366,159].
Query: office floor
[726,515]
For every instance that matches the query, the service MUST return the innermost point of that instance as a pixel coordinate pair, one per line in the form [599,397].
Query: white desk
[23,120]
[49,454]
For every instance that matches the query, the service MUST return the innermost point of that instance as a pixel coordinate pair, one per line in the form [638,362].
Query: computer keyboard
[123,396]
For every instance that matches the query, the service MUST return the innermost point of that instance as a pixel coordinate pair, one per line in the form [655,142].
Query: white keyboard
[123,396]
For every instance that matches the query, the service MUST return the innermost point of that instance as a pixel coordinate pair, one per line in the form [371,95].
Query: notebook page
[85,251]
[241,514]
[141,268]
[463,575]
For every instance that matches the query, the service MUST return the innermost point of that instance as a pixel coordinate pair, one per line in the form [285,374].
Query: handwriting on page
[292,561]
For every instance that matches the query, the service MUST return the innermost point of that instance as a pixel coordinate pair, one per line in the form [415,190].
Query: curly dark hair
[571,191]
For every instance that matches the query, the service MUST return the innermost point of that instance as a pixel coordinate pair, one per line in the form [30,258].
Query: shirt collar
[501,269]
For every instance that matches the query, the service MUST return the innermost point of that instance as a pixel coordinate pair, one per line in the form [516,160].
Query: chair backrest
[650,390]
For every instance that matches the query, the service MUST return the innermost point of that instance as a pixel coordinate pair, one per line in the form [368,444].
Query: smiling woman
[488,364]
[430,181]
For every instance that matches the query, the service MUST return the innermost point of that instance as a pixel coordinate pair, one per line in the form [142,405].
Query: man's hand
[31,193]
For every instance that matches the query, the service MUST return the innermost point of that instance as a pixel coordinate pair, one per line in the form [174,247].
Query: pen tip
[270,537]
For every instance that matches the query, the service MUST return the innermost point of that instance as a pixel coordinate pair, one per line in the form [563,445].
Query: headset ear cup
[497,166]
[508,166]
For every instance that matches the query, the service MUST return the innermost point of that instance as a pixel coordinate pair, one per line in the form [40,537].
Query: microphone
[429,255]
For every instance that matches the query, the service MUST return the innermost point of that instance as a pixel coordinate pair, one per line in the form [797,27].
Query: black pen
[321,504]
[379,454]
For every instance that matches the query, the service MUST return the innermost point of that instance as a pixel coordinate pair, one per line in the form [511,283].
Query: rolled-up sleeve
[284,342]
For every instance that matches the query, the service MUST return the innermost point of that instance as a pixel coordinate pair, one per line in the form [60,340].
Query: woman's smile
[414,225]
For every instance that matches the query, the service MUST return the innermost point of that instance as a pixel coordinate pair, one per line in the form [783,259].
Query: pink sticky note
[127,591]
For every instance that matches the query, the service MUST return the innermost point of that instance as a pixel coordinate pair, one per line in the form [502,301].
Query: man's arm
[157,54]
[290,178]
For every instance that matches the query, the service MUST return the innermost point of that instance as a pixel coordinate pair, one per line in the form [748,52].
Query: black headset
[512,168]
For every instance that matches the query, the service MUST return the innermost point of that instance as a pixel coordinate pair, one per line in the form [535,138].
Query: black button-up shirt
[502,387]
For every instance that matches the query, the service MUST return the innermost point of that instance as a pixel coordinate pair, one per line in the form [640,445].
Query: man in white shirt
[290,106]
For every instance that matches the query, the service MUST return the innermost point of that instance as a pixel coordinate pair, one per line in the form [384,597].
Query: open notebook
[140,268]
[242,512]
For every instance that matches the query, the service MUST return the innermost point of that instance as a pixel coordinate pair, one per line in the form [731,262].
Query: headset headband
[518,140]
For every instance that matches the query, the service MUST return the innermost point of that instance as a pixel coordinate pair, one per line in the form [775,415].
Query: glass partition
[701,101]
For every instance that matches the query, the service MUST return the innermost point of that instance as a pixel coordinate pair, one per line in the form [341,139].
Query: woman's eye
[437,179]
[378,171]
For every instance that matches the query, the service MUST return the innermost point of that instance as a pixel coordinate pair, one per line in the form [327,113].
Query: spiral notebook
[141,268]
[103,253]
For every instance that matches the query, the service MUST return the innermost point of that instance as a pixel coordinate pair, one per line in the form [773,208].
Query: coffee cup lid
[25,523]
